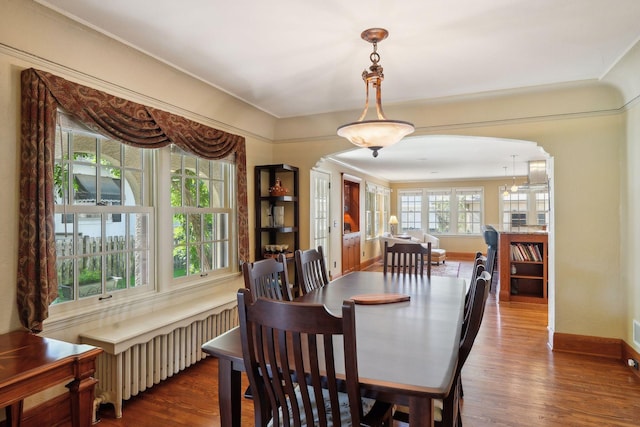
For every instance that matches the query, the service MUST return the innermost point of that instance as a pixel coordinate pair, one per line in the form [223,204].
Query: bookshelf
[522,263]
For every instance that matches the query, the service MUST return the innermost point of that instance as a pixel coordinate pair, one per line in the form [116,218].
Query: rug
[448,269]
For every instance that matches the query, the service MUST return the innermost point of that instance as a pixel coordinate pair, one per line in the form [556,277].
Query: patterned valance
[126,121]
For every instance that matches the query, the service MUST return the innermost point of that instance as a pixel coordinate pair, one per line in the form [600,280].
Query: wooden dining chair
[268,278]
[311,270]
[447,413]
[407,258]
[288,350]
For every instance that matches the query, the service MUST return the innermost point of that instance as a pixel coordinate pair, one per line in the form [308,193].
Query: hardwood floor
[510,379]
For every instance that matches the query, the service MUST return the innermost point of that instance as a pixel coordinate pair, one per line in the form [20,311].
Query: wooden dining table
[407,350]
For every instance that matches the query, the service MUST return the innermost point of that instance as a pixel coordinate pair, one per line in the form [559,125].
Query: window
[444,211]
[106,221]
[201,203]
[377,203]
[410,210]
[439,211]
[469,211]
[103,218]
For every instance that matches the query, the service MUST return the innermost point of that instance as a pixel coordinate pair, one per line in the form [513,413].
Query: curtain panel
[126,121]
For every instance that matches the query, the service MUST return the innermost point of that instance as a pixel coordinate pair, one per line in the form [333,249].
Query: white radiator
[140,366]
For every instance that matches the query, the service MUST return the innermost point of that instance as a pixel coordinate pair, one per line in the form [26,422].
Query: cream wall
[590,129]
[630,226]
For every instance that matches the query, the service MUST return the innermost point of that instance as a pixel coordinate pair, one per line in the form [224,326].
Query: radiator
[143,365]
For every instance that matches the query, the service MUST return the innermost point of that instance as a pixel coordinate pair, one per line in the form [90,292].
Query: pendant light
[514,187]
[375,134]
[506,189]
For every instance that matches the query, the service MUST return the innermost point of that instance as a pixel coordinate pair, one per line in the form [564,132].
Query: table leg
[82,394]
[229,394]
[13,414]
[421,411]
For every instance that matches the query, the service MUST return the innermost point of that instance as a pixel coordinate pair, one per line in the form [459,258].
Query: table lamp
[393,221]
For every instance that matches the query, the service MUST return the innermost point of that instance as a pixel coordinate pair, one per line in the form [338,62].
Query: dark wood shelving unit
[523,266]
[268,232]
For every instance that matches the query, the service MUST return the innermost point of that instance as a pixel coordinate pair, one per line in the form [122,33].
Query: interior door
[320,224]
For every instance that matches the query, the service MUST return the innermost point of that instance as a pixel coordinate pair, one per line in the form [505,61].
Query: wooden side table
[30,363]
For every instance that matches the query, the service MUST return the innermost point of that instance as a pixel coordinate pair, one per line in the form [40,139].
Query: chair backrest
[407,258]
[288,351]
[471,325]
[479,268]
[311,270]
[268,278]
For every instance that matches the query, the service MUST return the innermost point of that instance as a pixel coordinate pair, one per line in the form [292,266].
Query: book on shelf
[526,252]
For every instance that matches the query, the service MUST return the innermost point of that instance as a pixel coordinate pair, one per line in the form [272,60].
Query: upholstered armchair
[437,253]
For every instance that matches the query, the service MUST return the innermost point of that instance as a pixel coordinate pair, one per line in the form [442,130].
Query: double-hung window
[410,210]
[103,215]
[202,202]
[377,203]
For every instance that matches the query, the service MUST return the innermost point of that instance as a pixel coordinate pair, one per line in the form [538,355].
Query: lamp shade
[393,220]
[375,134]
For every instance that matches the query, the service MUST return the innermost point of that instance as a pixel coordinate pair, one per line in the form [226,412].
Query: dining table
[407,349]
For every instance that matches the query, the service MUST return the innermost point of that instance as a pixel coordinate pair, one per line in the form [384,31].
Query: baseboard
[461,256]
[588,345]
[368,263]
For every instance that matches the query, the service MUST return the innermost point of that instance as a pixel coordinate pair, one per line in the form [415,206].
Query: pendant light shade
[380,133]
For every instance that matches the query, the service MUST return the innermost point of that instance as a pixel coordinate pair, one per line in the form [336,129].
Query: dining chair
[407,258]
[447,412]
[311,270]
[268,278]
[288,350]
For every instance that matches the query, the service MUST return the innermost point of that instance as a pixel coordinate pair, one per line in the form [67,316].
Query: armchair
[437,253]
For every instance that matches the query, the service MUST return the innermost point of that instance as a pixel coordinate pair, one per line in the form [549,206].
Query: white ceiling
[294,58]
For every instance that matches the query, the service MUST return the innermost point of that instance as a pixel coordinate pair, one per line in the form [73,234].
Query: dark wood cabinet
[276,209]
[350,252]
[523,266]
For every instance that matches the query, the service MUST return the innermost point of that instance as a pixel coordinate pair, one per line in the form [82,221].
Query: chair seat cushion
[343,400]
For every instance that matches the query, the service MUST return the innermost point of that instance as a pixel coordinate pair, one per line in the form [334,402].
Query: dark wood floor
[510,379]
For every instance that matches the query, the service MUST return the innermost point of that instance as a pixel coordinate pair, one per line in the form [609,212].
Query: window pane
[179,229]
[90,274]
[138,269]
[66,276]
[133,194]
[194,232]
[176,191]
[179,261]
[193,259]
